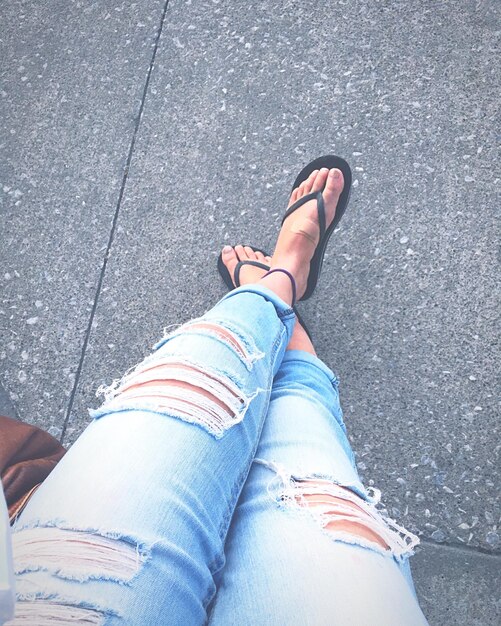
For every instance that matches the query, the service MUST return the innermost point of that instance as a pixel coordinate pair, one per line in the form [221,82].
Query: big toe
[229,258]
[334,184]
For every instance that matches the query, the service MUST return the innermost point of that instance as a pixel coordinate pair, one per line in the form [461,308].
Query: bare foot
[248,273]
[297,239]
[300,232]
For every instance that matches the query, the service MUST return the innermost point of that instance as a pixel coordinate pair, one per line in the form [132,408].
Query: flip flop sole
[329,161]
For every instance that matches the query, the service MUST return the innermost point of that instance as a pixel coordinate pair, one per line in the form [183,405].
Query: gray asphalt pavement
[137,139]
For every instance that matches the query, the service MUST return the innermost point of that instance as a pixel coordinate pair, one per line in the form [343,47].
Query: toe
[260,256]
[302,189]
[250,253]
[229,258]
[320,179]
[334,184]
[308,183]
[241,254]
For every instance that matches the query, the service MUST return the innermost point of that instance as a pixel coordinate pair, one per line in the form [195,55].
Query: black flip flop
[329,161]
[225,275]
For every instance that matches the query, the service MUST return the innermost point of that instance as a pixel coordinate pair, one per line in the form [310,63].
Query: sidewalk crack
[114,224]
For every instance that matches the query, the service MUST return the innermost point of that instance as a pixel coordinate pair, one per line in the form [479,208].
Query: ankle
[289,275]
[300,340]
[280,284]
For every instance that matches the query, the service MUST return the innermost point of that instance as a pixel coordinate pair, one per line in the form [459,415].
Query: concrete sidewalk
[137,139]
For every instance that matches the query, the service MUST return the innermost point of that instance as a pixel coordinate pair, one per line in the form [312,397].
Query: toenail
[227,249]
[336,173]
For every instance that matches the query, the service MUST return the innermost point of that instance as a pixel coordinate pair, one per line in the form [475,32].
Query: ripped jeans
[215,485]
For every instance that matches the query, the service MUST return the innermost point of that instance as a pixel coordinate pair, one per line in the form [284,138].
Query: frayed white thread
[167,333]
[143,372]
[284,476]
[170,367]
[75,555]
[152,386]
[292,490]
[213,328]
[193,406]
[400,542]
[109,391]
[375,498]
[221,330]
[48,613]
[189,406]
[171,370]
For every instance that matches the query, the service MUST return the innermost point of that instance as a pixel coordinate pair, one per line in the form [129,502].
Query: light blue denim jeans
[177,507]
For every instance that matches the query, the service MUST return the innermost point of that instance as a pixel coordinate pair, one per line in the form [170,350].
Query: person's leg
[130,526]
[307,545]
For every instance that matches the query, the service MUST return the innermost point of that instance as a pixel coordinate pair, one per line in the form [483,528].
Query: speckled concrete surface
[6,406]
[406,308]
[457,586]
[72,78]
[405,312]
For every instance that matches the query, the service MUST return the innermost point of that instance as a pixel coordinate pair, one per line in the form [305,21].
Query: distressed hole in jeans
[346,516]
[193,393]
[220,332]
[244,346]
[75,555]
[49,613]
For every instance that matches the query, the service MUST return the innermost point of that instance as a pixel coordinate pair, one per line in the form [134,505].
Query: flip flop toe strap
[315,195]
[240,264]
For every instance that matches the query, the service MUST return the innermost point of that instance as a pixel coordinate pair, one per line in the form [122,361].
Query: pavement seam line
[467,550]
[114,224]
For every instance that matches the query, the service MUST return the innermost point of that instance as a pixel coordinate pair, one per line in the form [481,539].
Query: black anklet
[293,282]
